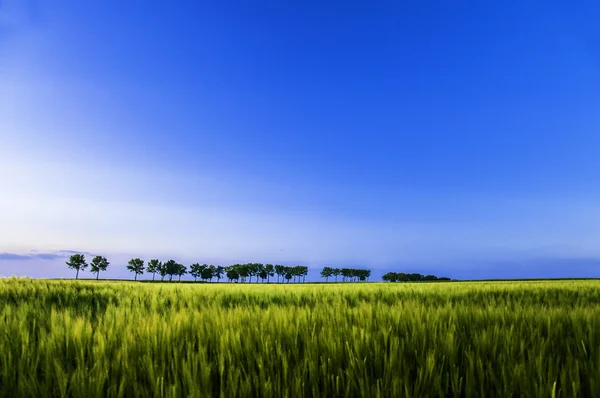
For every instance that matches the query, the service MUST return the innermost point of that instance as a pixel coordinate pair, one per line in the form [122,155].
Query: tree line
[347,274]
[239,272]
[206,272]
[403,277]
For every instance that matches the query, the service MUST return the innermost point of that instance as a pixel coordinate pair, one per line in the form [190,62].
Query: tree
[390,277]
[77,262]
[364,274]
[303,272]
[207,272]
[345,274]
[336,273]
[219,271]
[243,271]
[279,270]
[181,270]
[414,277]
[98,264]
[171,268]
[269,270]
[232,273]
[153,267]
[263,275]
[213,272]
[252,271]
[136,265]
[326,273]
[288,276]
[162,270]
[195,271]
[260,271]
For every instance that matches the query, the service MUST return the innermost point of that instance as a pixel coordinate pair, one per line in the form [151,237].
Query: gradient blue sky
[455,138]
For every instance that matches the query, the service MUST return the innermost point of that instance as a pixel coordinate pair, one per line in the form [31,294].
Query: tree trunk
[135,277]
[97,275]
[77,274]
[153,275]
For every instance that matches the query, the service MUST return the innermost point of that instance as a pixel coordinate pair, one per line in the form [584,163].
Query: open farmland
[91,339]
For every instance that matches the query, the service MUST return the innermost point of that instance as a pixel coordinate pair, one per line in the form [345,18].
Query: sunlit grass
[89,339]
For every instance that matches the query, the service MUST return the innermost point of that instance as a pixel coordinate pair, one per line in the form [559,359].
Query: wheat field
[469,339]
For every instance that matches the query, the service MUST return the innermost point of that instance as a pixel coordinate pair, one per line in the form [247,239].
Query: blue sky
[458,139]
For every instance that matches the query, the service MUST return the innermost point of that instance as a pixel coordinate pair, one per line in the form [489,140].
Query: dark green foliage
[348,274]
[196,270]
[269,271]
[153,267]
[98,264]
[77,262]
[207,272]
[327,272]
[136,265]
[171,268]
[402,277]
[181,270]
[232,274]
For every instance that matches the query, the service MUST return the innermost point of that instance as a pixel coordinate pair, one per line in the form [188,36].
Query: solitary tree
[77,262]
[98,264]
[153,267]
[136,265]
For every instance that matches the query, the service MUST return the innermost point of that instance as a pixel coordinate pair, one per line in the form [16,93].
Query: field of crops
[91,339]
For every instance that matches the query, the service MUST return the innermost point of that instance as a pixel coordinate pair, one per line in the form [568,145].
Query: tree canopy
[98,264]
[136,265]
[414,277]
[77,262]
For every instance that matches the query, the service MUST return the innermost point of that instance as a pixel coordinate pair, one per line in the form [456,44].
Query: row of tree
[171,268]
[348,274]
[239,272]
[403,277]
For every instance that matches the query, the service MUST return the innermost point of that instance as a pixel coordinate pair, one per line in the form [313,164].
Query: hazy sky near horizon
[459,139]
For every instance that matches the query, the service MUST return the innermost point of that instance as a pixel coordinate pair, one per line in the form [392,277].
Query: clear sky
[455,138]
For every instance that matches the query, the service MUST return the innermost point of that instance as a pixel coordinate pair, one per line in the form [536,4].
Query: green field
[91,339]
